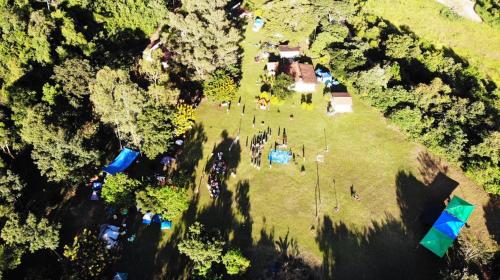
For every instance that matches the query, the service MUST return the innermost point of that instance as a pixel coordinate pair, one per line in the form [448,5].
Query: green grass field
[476,42]
[375,237]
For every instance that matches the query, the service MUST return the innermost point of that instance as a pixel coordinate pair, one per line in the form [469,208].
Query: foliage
[489,10]
[235,262]
[220,87]
[470,255]
[10,186]
[201,248]
[183,120]
[430,95]
[281,86]
[118,101]
[150,66]
[330,33]
[118,190]
[169,202]
[156,130]
[74,77]
[32,234]
[134,15]
[71,36]
[290,19]
[203,39]
[88,256]
[57,154]
[10,258]
[163,95]
[401,46]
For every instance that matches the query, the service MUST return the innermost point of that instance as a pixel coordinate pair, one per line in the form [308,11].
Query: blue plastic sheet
[277,156]
[448,225]
[122,161]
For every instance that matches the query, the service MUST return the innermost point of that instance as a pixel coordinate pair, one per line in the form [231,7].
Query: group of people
[257,146]
[217,173]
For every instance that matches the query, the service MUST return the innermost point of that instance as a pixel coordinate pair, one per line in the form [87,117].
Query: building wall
[304,87]
[289,54]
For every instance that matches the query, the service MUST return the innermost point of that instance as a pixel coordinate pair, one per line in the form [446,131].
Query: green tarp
[460,208]
[437,242]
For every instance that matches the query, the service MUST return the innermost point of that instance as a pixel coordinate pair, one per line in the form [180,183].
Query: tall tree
[58,153]
[10,186]
[119,190]
[88,256]
[74,77]
[118,101]
[203,39]
[156,130]
[201,248]
[220,87]
[235,262]
[133,15]
[33,234]
[169,202]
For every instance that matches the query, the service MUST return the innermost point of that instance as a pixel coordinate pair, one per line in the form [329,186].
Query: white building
[288,52]
[341,102]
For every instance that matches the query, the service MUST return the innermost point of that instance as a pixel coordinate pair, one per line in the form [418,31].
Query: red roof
[340,94]
[304,72]
[286,48]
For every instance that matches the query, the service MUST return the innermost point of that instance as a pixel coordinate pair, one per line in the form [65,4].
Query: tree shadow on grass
[192,152]
[430,166]
[231,150]
[386,249]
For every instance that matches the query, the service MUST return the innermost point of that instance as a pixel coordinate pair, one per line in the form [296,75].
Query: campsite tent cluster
[447,227]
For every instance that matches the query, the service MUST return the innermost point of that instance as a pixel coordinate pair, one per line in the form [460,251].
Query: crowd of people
[257,146]
[217,173]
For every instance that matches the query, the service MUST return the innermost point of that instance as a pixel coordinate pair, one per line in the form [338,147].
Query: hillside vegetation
[476,42]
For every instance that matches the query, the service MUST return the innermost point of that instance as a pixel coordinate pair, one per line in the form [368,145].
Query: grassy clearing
[375,237]
[477,42]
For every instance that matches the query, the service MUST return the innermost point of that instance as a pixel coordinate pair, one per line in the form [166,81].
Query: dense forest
[81,79]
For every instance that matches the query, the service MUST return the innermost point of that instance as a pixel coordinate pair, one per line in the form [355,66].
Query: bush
[220,87]
[235,262]
[118,190]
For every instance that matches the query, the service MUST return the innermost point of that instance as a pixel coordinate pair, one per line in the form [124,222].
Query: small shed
[288,52]
[258,24]
[341,102]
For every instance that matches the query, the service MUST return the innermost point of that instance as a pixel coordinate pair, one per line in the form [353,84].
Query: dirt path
[464,8]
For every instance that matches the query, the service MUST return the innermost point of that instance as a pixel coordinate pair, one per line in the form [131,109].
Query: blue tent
[278,156]
[448,225]
[258,24]
[325,77]
[122,161]
[166,225]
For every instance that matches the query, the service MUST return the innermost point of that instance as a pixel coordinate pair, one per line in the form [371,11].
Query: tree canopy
[203,38]
[169,202]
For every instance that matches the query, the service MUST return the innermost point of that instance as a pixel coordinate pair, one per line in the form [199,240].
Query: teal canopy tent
[437,242]
[460,208]
[447,227]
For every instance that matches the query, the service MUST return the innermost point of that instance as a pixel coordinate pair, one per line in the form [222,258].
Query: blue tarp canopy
[325,77]
[323,74]
[278,156]
[122,161]
[448,225]
[166,225]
